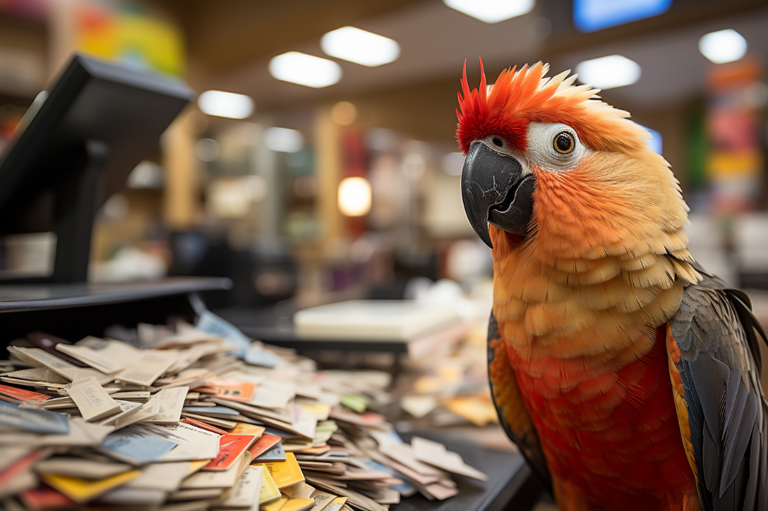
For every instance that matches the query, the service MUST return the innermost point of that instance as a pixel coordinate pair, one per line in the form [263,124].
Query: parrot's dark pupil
[497,142]
[564,142]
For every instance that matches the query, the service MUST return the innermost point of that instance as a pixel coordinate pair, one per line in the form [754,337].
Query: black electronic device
[88,132]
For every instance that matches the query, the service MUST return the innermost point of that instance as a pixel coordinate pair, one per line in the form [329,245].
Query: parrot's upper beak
[494,190]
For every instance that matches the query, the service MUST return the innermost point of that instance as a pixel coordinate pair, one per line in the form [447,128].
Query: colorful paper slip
[275,454]
[136,445]
[269,492]
[227,388]
[298,505]
[275,506]
[230,449]
[203,425]
[37,421]
[21,394]
[263,444]
[83,490]
[243,428]
[285,473]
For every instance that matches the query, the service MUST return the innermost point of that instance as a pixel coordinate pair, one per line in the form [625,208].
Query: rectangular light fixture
[283,140]
[360,46]
[723,46]
[608,72]
[225,104]
[303,69]
[591,15]
[492,11]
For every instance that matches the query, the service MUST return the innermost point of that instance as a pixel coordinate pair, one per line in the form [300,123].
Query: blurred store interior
[309,178]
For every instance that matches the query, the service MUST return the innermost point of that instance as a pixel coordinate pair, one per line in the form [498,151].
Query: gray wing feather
[718,337]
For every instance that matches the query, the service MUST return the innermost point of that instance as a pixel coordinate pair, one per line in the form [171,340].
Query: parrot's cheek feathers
[494,190]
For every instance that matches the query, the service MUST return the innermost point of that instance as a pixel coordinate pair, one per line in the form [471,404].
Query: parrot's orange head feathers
[524,96]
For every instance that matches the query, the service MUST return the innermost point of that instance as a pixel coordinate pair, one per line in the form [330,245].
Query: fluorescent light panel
[723,46]
[609,72]
[303,69]
[591,15]
[225,104]
[360,46]
[492,11]
[283,140]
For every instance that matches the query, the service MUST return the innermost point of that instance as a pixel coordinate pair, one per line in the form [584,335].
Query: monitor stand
[74,210]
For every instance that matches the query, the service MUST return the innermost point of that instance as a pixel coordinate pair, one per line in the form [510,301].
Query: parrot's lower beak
[494,190]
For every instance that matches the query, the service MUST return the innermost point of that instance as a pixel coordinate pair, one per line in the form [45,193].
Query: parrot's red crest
[520,97]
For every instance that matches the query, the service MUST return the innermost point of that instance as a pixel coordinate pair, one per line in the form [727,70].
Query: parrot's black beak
[494,190]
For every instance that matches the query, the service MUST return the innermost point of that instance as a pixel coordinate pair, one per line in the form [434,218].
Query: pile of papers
[200,417]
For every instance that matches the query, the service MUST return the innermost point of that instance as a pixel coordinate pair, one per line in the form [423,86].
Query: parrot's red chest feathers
[614,434]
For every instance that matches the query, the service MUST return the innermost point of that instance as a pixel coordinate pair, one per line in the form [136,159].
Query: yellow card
[336,504]
[276,505]
[319,410]
[269,492]
[243,428]
[298,505]
[285,473]
[194,466]
[83,490]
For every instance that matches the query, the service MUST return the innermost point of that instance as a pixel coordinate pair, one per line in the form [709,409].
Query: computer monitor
[93,127]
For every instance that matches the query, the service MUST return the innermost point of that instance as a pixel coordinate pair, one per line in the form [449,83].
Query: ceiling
[230,43]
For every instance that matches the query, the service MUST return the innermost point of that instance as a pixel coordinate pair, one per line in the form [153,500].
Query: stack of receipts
[188,418]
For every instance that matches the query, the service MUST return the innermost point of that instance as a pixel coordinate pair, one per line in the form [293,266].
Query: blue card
[258,357]
[213,324]
[208,410]
[136,445]
[401,488]
[36,421]
[271,455]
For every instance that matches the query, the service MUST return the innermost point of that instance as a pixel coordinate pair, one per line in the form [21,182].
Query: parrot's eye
[497,141]
[564,143]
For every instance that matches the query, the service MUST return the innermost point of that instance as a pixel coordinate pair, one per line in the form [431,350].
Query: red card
[226,388]
[21,394]
[230,449]
[46,497]
[264,443]
[203,425]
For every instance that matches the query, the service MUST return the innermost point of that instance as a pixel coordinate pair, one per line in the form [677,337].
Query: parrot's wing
[714,352]
[513,415]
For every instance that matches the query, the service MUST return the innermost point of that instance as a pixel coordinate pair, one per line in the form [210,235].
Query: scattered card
[38,421]
[231,447]
[91,399]
[285,473]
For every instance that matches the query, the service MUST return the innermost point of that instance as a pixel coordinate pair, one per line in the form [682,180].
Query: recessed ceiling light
[225,104]
[303,69]
[609,72]
[492,11]
[360,46]
[283,140]
[723,46]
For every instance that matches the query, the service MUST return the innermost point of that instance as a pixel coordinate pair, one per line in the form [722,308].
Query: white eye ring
[554,147]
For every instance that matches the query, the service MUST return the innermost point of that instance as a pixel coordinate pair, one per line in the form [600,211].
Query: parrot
[627,375]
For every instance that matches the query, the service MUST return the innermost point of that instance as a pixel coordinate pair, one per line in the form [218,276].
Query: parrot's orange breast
[614,434]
